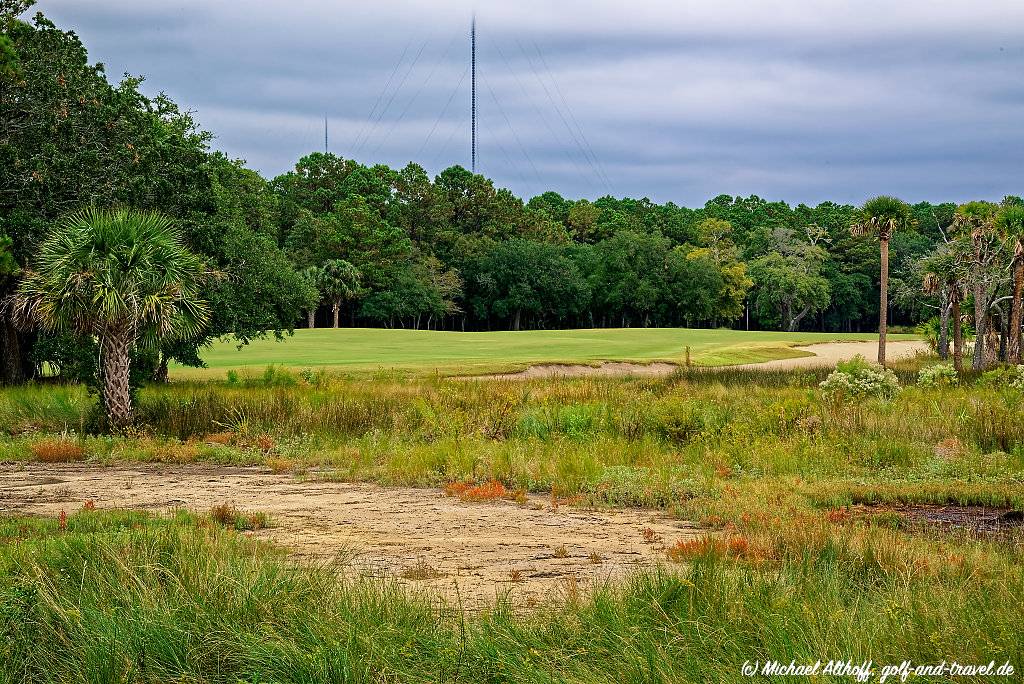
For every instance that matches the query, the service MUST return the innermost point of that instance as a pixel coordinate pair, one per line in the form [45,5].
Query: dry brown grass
[222,438]
[58,450]
[420,570]
[280,465]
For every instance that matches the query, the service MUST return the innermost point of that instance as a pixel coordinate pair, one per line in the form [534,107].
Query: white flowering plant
[856,380]
[939,375]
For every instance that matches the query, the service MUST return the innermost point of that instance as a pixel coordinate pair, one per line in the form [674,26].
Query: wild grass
[120,597]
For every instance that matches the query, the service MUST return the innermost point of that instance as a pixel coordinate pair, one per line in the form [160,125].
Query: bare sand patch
[818,356]
[830,353]
[472,550]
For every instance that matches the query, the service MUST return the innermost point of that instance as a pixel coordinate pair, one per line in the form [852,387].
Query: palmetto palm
[339,281]
[1010,222]
[122,276]
[881,217]
[976,220]
[941,273]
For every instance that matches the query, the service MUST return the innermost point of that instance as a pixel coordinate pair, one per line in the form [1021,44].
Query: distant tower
[472,41]
[325,134]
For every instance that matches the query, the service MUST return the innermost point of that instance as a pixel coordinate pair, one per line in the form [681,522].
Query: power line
[572,116]
[538,111]
[561,116]
[515,135]
[387,105]
[380,95]
[443,111]
[415,96]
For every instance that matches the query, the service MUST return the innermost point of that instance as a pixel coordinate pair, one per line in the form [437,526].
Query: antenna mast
[325,134]
[472,40]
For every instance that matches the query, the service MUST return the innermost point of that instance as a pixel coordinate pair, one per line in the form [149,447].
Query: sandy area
[831,353]
[476,550]
[824,354]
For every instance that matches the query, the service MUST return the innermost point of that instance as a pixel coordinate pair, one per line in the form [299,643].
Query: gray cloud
[787,99]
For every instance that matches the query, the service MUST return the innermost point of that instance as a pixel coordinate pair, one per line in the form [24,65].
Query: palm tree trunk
[1013,348]
[958,337]
[115,353]
[883,300]
[336,307]
[943,346]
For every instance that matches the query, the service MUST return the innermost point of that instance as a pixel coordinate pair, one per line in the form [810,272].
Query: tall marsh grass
[124,597]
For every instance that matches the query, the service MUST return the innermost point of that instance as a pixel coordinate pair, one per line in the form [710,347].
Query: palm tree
[340,282]
[122,276]
[1010,222]
[976,220]
[314,276]
[881,217]
[941,275]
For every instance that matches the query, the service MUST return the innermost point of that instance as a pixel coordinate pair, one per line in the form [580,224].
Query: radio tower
[472,41]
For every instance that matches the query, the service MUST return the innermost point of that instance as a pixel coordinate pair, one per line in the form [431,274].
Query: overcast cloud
[797,100]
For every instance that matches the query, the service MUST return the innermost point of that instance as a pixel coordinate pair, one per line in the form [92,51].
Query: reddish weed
[488,491]
[58,451]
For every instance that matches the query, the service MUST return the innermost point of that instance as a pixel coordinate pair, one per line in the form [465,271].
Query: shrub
[57,451]
[939,375]
[1005,376]
[856,380]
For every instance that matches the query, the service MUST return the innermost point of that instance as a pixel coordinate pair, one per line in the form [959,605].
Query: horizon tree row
[336,242]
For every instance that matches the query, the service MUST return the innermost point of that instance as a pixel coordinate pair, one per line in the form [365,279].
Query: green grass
[366,350]
[757,457]
[130,597]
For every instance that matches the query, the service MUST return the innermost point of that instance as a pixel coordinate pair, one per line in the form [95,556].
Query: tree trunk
[943,346]
[515,323]
[161,373]
[115,353]
[883,300]
[10,351]
[979,311]
[1013,344]
[311,318]
[958,336]
[335,309]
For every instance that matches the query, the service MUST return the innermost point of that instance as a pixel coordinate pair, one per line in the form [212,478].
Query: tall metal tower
[325,134]
[472,41]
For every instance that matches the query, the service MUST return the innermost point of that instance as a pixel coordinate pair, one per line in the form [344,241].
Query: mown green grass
[367,350]
[129,597]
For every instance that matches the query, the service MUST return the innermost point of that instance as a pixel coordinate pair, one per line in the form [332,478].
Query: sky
[794,100]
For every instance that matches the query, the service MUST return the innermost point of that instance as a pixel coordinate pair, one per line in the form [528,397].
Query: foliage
[938,375]
[856,380]
[122,277]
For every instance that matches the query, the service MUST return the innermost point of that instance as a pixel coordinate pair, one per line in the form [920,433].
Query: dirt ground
[473,551]
[825,354]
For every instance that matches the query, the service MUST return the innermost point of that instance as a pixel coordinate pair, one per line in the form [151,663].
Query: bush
[856,380]
[939,375]
[1005,376]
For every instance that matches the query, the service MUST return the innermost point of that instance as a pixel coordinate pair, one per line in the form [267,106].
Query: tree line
[336,242]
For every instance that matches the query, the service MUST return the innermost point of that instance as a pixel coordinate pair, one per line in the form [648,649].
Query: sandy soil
[476,550]
[825,354]
[831,353]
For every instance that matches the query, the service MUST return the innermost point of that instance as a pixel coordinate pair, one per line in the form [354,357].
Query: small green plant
[1005,376]
[855,380]
[939,375]
[232,377]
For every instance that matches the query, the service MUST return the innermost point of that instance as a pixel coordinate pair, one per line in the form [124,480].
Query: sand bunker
[822,355]
[421,536]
